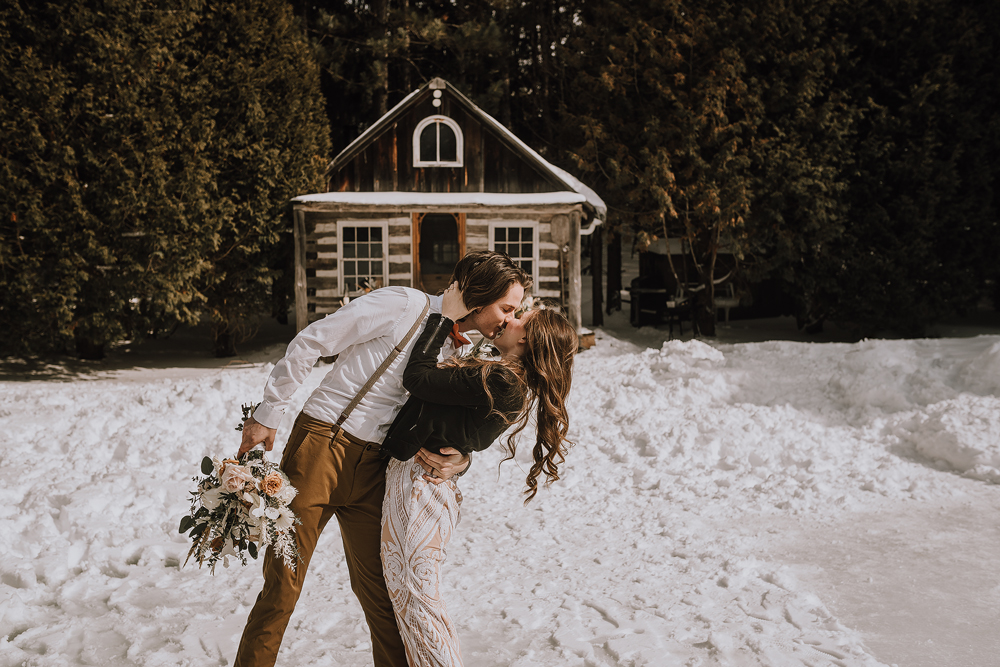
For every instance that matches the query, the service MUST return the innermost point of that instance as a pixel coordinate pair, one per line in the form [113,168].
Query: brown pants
[345,478]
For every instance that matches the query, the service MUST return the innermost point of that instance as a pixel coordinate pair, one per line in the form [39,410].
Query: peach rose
[235,477]
[271,483]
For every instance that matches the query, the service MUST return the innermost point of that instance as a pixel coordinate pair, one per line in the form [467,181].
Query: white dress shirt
[363,333]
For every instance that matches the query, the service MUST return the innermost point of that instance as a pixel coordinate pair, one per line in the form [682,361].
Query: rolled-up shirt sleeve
[363,319]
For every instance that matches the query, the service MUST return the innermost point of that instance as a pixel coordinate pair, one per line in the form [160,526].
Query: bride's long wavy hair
[543,377]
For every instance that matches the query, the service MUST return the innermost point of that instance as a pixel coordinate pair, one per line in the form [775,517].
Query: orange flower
[271,483]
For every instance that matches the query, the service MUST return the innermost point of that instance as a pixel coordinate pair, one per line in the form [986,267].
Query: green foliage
[801,155]
[270,145]
[669,114]
[140,164]
[843,147]
[105,195]
[923,232]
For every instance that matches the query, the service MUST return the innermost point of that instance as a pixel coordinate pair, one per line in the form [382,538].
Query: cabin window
[437,142]
[362,249]
[519,239]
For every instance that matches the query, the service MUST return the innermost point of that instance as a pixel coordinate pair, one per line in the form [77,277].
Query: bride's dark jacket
[448,407]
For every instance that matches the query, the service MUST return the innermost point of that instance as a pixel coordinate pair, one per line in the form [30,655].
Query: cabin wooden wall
[490,165]
[318,292]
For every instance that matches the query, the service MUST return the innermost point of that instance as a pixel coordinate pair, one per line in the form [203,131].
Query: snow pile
[642,554]
[981,375]
[962,433]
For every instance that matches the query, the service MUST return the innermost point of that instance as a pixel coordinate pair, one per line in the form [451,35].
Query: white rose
[286,494]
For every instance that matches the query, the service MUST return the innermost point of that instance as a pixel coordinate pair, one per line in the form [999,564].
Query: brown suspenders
[338,427]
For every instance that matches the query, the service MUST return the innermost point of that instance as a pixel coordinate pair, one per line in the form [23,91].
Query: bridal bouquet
[240,507]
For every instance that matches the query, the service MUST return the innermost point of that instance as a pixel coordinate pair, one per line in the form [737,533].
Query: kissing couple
[381,442]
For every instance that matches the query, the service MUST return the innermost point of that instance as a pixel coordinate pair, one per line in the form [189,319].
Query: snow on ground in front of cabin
[671,538]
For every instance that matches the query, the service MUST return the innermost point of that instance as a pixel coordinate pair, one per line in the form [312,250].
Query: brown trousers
[343,477]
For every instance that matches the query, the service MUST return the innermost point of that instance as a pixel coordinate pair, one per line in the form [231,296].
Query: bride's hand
[453,306]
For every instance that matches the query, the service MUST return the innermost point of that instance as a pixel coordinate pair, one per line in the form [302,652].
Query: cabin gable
[489,162]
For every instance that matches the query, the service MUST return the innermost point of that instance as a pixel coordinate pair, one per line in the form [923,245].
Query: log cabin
[432,179]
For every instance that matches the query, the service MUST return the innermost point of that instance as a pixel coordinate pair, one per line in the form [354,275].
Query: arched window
[437,142]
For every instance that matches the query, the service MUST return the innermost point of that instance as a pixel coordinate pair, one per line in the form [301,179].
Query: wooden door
[438,243]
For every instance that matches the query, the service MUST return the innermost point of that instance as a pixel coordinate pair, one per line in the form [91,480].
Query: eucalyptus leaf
[252,549]
[207,466]
[186,523]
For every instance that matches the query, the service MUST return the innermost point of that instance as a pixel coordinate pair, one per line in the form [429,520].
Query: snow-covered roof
[570,181]
[444,198]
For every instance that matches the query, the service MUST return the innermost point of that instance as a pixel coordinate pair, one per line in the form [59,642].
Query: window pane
[377,269]
[428,143]
[362,233]
[499,235]
[376,248]
[526,265]
[449,146]
[376,234]
[526,250]
[526,233]
[350,269]
[351,284]
[363,250]
[348,233]
[349,251]
[362,268]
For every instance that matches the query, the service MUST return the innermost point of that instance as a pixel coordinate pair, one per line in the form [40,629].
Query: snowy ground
[764,503]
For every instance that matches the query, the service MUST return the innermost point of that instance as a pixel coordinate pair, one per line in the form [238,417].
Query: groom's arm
[363,319]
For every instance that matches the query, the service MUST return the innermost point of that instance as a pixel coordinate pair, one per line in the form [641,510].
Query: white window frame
[341,225]
[459,143]
[533,224]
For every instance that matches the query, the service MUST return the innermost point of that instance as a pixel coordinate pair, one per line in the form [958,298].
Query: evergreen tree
[107,208]
[923,233]
[270,144]
[139,170]
[667,118]
[801,154]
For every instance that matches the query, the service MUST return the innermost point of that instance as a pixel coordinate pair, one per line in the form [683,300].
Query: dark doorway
[439,250]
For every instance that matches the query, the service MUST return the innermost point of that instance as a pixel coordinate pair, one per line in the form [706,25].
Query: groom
[343,475]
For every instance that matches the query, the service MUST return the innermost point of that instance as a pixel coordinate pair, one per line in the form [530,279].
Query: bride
[465,404]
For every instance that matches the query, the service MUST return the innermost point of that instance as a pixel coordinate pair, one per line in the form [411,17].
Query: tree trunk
[380,92]
[705,311]
[614,272]
[88,348]
[224,340]
[596,273]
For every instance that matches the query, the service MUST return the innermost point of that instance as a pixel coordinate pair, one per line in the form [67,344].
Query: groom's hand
[255,433]
[441,467]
